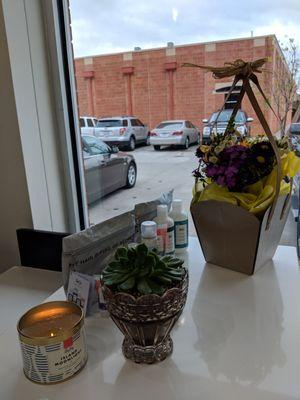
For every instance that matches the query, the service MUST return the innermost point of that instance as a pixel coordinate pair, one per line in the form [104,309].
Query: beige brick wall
[194,90]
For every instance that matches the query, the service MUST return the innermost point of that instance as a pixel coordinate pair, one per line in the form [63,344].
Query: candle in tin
[52,341]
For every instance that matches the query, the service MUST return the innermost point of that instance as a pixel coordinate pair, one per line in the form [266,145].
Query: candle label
[55,362]
[65,360]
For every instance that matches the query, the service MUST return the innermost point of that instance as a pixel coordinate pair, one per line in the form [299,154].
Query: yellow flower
[204,148]
[213,159]
[261,159]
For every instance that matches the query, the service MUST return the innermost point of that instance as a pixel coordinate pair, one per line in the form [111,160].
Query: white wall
[28,59]
[36,176]
[14,200]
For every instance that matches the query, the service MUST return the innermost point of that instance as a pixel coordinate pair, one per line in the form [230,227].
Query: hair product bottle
[181,231]
[165,231]
[149,234]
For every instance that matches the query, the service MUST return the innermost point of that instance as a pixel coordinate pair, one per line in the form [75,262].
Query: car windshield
[109,123]
[94,146]
[169,125]
[225,116]
[295,128]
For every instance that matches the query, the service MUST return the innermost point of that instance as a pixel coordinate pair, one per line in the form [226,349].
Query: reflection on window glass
[225,116]
[109,123]
[94,146]
[170,125]
[131,84]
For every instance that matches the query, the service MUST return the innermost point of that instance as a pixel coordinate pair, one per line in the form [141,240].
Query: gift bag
[231,236]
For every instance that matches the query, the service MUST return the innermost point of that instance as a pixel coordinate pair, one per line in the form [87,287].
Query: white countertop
[22,288]
[238,339]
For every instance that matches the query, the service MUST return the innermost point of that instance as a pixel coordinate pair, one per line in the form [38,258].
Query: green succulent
[141,271]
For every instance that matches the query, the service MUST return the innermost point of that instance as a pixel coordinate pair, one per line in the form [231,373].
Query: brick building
[152,85]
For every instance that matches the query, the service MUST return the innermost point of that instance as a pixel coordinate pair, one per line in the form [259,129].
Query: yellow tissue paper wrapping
[257,197]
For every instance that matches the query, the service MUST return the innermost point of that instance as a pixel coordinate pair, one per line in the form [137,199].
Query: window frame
[58,34]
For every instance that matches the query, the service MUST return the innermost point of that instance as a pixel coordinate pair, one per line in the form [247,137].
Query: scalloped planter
[146,321]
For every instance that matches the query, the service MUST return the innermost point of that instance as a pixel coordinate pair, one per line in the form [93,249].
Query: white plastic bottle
[165,231]
[149,234]
[180,218]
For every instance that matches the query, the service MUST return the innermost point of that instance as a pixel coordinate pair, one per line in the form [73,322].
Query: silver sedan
[174,133]
[106,169]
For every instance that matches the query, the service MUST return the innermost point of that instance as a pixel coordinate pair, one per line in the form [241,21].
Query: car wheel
[131,145]
[156,147]
[131,175]
[186,143]
[148,140]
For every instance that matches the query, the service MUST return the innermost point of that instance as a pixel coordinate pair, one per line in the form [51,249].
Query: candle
[52,341]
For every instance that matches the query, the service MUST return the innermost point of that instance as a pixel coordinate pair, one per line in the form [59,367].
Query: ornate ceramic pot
[147,321]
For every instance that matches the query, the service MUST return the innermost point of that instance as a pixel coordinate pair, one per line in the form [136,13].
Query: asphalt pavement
[158,172]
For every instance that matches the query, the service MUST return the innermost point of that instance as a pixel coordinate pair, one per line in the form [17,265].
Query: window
[170,125]
[142,92]
[94,146]
[81,122]
[225,116]
[90,123]
[109,123]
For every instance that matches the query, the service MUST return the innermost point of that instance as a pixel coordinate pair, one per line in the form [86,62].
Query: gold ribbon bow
[236,68]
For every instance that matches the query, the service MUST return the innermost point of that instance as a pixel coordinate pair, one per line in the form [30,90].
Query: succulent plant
[140,271]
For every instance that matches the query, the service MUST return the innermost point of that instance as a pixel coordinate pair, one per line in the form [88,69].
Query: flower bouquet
[242,193]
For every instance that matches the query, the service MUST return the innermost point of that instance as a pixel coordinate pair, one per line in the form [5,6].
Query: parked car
[174,133]
[106,169]
[88,125]
[242,124]
[294,136]
[123,131]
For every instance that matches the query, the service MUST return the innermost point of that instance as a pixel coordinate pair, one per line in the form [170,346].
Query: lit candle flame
[51,334]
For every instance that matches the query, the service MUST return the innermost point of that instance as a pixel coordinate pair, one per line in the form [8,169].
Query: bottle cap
[148,229]
[177,205]
[162,211]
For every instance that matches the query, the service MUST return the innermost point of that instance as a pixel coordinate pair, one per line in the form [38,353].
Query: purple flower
[220,180]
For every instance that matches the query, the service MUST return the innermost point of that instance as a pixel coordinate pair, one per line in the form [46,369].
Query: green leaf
[143,286]
[124,261]
[121,252]
[143,271]
[163,279]
[166,259]
[174,272]
[173,278]
[150,261]
[113,265]
[160,265]
[115,280]
[128,284]
[142,249]
[175,262]
[155,287]
[157,272]
[131,254]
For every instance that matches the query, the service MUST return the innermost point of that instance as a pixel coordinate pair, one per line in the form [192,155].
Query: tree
[286,81]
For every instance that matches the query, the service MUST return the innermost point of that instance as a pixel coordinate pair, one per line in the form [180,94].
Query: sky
[110,26]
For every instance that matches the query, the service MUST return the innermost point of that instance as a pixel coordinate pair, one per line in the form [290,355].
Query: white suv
[123,131]
[88,125]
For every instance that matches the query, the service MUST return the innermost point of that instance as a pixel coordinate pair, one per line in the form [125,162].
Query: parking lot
[158,172]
